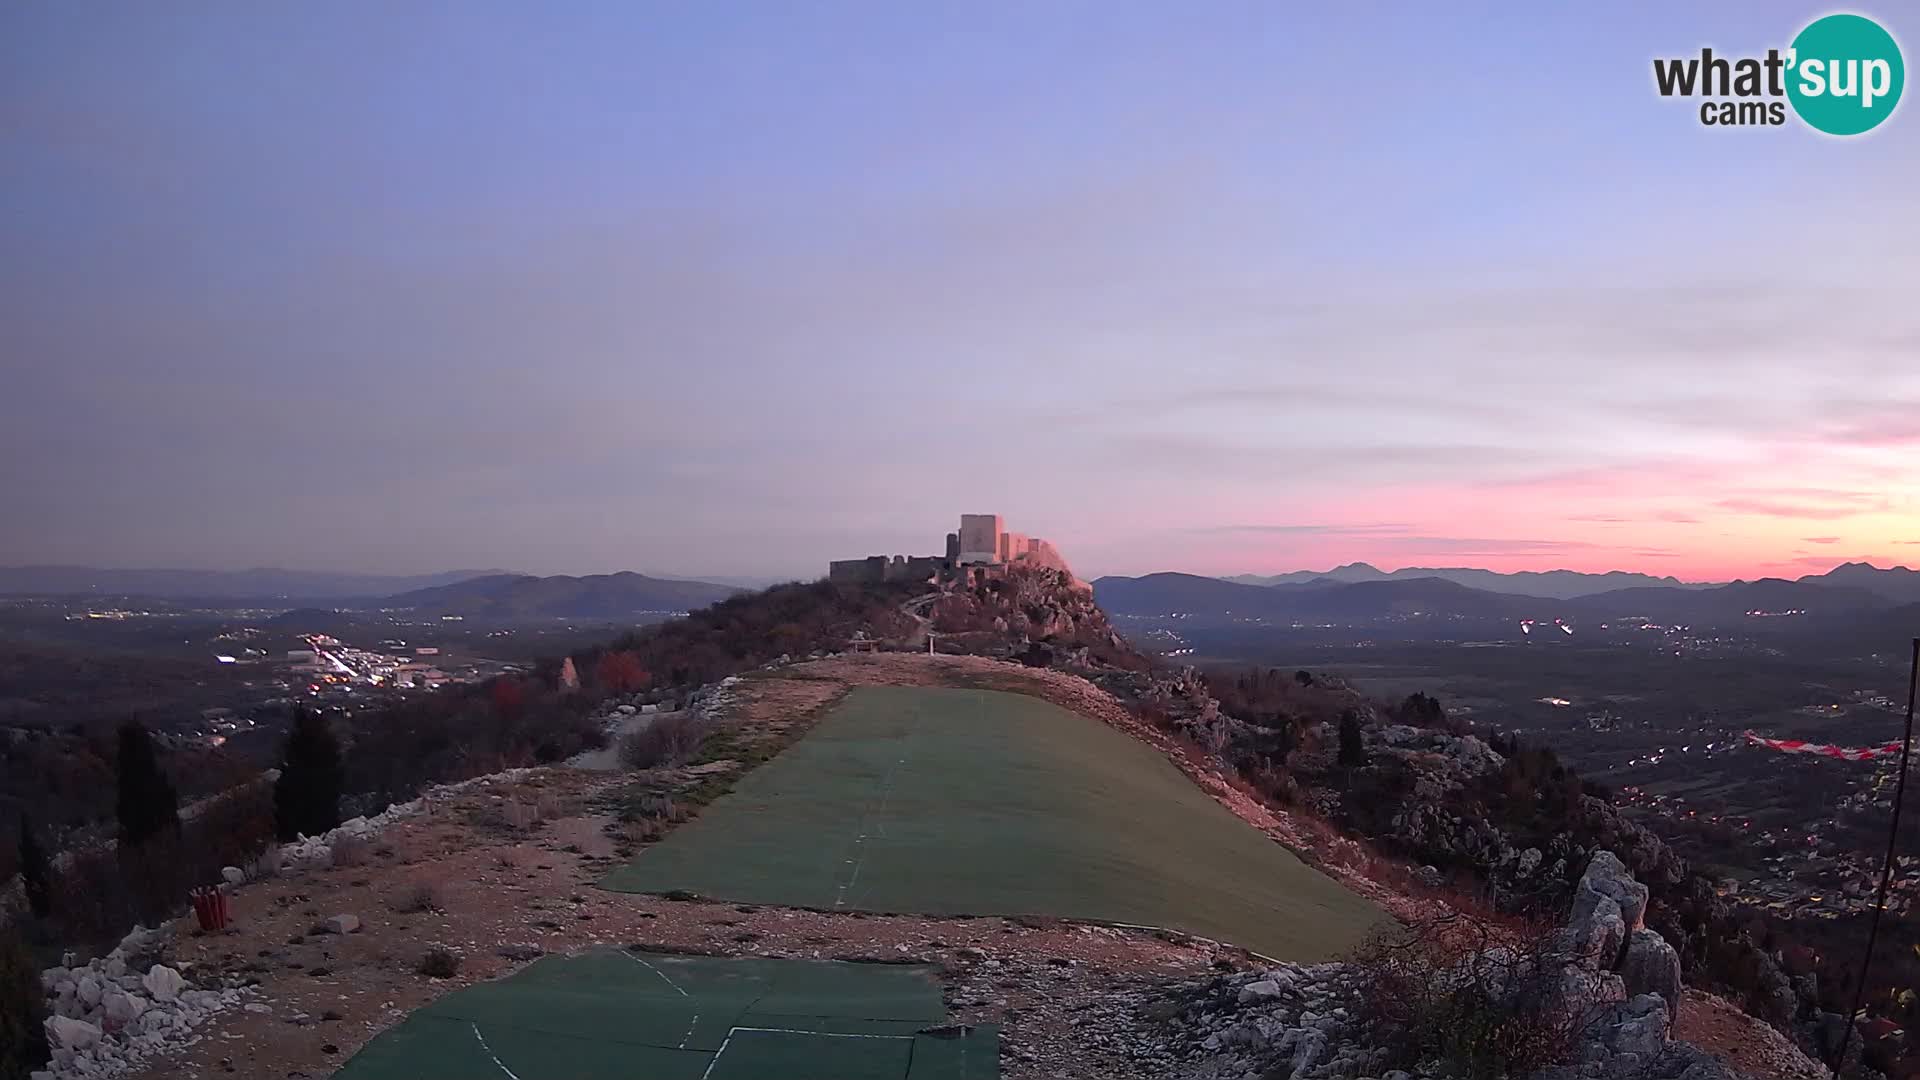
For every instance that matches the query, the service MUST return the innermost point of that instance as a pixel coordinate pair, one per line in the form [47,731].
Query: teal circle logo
[1845,74]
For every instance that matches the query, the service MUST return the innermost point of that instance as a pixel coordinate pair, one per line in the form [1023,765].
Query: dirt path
[607,758]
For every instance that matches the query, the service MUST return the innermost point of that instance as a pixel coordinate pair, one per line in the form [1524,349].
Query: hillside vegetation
[519,596]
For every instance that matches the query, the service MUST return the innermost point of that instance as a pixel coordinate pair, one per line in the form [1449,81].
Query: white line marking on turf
[496,1061]
[717,1053]
[821,1034]
[688,1037]
[879,820]
[788,1031]
[656,971]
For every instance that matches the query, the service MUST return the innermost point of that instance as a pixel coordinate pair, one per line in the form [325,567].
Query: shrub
[265,865]
[1273,783]
[147,804]
[438,963]
[621,672]
[669,740]
[648,817]
[306,798]
[351,851]
[1477,992]
[418,900]
[23,1009]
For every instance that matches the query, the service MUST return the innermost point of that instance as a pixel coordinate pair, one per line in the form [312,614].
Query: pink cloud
[1841,505]
[1891,429]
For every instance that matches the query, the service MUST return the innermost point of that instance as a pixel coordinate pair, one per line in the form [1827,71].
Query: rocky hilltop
[1474,841]
[1038,613]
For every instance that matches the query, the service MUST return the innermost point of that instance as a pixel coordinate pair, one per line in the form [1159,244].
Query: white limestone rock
[70,1034]
[163,983]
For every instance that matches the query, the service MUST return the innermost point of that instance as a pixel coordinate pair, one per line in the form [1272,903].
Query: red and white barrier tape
[1844,753]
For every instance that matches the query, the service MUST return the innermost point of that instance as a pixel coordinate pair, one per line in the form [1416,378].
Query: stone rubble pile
[714,699]
[1289,1021]
[1617,981]
[304,852]
[108,1017]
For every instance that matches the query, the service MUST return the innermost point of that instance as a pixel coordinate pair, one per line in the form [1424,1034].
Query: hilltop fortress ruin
[982,542]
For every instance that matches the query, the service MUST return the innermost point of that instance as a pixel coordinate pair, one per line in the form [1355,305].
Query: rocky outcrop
[1651,966]
[1603,977]
[1009,610]
[1607,906]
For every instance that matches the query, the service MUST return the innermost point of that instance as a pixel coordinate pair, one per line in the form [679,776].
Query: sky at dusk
[737,288]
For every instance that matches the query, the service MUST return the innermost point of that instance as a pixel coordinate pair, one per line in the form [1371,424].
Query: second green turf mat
[621,1015]
[946,802]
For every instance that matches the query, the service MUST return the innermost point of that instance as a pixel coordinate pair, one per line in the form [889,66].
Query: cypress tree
[1352,751]
[36,870]
[23,1010]
[306,798]
[147,803]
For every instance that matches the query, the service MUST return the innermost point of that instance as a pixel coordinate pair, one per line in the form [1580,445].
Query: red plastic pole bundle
[210,907]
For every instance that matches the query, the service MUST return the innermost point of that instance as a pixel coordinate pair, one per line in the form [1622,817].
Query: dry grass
[669,740]
[351,851]
[418,899]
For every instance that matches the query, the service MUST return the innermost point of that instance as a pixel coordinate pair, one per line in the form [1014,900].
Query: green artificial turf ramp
[624,1015]
[951,802]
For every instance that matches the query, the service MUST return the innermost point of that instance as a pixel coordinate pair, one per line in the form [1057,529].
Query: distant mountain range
[521,596]
[1159,594]
[1563,584]
[480,593]
[1852,589]
[1896,583]
[263,583]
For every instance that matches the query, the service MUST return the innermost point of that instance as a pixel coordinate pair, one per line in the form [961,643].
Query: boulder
[1596,934]
[163,983]
[90,990]
[1607,877]
[1261,990]
[341,924]
[1308,1052]
[1637,1026]
[1529,862]
[1651,966]
[1582,994]
[122,1008]
[233,875]
[64,1032]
